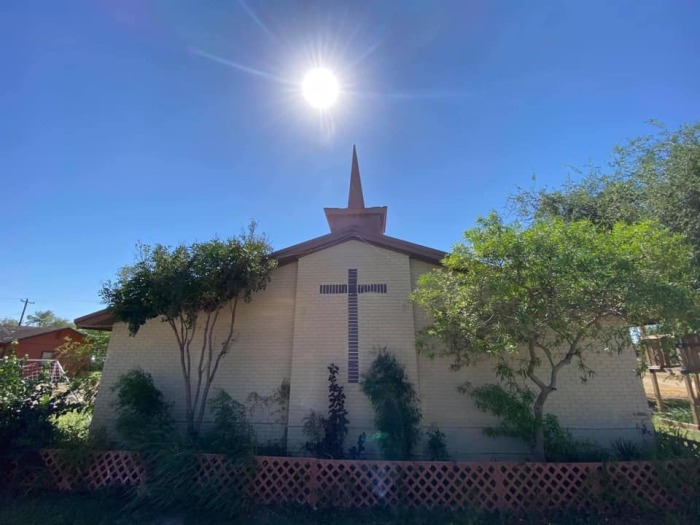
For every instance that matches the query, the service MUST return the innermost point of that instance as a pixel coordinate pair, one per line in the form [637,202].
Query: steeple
[355,198]
[356,217]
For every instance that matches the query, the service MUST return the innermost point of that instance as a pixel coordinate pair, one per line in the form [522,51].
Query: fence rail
[341,483]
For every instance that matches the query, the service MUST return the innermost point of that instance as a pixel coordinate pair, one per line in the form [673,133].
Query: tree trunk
[538,412]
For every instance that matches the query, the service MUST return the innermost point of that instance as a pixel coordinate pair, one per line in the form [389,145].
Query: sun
[320,88]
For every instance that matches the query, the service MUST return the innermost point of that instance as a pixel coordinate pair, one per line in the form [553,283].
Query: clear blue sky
[172,121]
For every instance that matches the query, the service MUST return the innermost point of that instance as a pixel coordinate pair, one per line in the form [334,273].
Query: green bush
[435,446]
[172,459]
[29,408]
[231,434]
[513,407]
[397,414]
[672,443]
[560,445]
[143,416]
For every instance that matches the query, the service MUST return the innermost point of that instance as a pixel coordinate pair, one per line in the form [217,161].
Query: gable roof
[415,251]
[11,333]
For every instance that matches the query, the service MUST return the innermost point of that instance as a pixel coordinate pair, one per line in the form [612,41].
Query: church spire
[355,198]
[356,218]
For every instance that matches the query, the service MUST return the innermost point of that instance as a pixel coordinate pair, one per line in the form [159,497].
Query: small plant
[277,406]
[337,423]
[327,434]
[359,449]
[435,446]
[626,450]
[314,428]
[397,414]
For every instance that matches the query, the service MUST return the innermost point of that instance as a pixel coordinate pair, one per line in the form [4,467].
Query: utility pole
[26,302]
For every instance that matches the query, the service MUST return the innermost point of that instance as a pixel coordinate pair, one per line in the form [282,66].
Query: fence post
[313,484]
[500,486]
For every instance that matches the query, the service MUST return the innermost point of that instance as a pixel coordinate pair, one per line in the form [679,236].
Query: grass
[674,409]
[105,509]
[663,425]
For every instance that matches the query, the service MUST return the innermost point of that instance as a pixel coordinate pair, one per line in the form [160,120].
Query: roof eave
[100,320]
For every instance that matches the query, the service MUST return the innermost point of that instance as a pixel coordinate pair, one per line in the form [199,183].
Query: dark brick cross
[353,289]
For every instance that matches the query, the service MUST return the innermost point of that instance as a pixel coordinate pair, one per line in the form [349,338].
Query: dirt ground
[672,387]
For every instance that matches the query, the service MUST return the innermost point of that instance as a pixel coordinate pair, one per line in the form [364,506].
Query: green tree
[46,318]
[537,299]
[654,177]
[193,289]
[79,357]
[8,322]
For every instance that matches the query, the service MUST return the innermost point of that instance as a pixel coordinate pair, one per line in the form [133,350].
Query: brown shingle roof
[10,333]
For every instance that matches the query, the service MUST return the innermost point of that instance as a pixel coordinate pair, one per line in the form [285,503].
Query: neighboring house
[337,298]
[36,342]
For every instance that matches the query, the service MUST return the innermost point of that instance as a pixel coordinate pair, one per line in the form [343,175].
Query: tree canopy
[654,177]
[538,298]
[193,288]
[47,318]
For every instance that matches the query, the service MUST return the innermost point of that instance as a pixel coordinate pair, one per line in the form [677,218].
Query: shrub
[560,445]
[231,434]
[513,406]
[435,446]
[175,480]
[672,443]
[397,415]
[29,407]
[143,416]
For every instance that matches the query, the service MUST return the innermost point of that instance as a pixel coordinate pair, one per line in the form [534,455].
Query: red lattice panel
[115,467]
[453,485]
[108,468]
[358,483]
[667,484]
[64,475]
[282,480]
[527,486]
[340,483]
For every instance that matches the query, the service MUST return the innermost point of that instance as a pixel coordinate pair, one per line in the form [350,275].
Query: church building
[339,298]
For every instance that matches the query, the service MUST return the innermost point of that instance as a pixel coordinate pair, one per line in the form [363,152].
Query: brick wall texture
[292,331]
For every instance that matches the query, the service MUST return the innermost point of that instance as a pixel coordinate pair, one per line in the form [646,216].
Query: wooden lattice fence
[486,486]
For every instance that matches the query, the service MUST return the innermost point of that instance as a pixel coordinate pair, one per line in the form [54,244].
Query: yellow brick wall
[259,360]
[321,330]
[610,405]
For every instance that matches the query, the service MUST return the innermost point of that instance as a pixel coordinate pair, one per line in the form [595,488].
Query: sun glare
[320,88]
